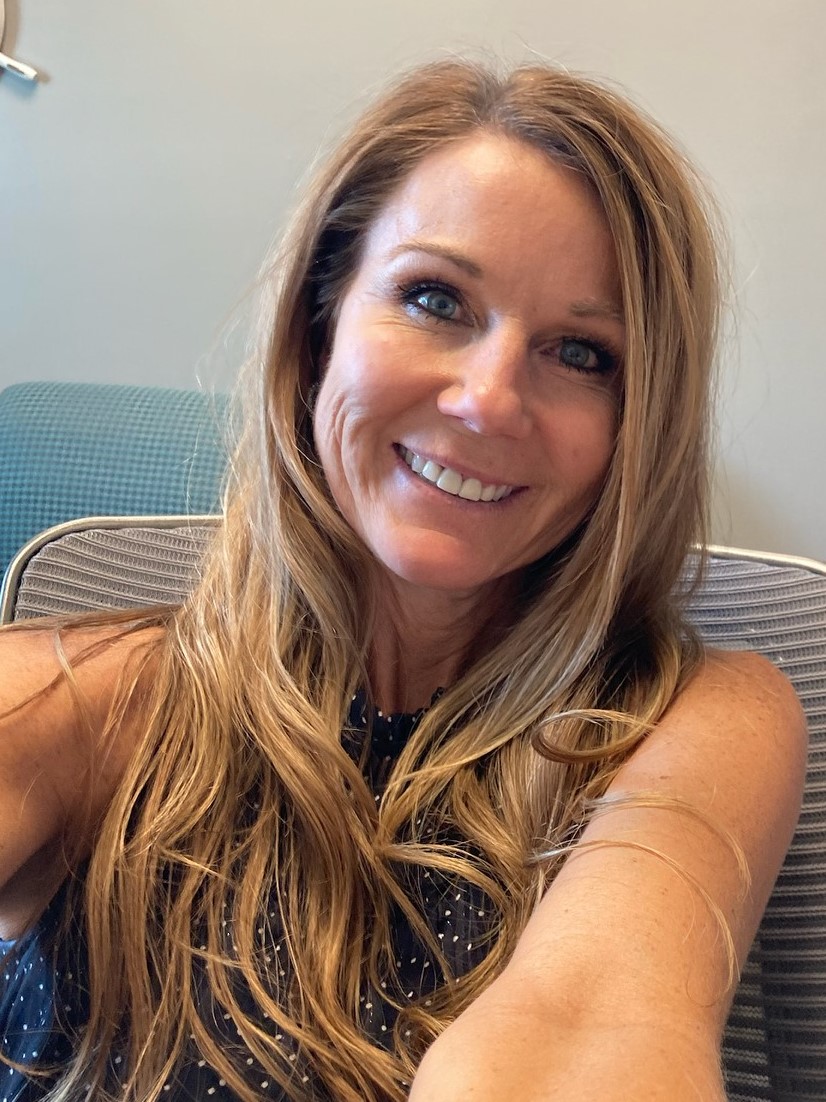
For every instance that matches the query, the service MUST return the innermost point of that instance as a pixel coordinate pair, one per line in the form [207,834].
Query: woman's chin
[452,569]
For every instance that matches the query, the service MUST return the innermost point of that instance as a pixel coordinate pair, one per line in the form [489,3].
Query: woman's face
[467,413]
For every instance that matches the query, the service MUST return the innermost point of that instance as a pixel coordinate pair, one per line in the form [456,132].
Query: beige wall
[141,183]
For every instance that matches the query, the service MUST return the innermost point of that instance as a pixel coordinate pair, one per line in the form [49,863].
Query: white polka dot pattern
[41,1006]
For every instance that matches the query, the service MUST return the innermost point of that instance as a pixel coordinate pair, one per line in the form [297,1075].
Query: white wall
[141,182]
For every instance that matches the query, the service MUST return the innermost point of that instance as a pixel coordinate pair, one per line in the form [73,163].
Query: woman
[430,762]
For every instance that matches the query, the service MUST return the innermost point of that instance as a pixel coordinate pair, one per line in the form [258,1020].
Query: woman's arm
[619,987]
[55,781]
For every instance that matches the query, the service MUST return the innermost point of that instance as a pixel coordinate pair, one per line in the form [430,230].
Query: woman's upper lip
[467,470]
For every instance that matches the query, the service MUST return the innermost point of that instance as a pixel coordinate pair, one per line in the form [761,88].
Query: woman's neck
[422,639]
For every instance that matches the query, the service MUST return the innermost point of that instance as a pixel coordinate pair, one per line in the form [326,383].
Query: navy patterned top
[43,997]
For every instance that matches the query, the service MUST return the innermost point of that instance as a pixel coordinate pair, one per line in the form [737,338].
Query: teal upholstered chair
[72,450]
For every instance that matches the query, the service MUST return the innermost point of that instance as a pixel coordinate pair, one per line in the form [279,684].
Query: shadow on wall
[742,515]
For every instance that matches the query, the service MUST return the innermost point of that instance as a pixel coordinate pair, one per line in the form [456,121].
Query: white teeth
[471,489]
[450,481]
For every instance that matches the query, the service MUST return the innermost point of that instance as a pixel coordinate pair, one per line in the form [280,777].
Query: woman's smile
[449,480]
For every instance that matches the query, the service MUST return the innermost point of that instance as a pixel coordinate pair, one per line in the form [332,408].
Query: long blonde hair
[241,793]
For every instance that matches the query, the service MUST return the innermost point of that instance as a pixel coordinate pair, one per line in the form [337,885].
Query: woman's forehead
[493,205]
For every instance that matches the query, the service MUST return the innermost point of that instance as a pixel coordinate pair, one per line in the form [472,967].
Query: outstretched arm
[621,983]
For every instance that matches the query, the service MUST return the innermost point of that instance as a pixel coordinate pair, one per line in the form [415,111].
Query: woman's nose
[487,386]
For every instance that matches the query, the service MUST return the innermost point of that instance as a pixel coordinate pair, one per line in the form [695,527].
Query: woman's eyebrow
[596,308]
[443,251]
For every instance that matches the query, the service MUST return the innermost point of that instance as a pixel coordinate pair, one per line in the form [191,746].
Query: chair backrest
[775,1042]
[105,562]
[86,449]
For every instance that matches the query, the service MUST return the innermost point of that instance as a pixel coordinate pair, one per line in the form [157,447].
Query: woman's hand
[620,985]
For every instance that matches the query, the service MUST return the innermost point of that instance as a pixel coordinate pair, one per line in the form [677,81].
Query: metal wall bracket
[26,72]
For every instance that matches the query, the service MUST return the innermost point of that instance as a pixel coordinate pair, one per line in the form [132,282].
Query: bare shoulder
[737,710]
[731,749]
[46,675]
[53,683]
[60,759]
[34,662]
[750,684]
[734,743]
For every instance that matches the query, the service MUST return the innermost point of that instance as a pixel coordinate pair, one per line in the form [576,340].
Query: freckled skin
[484,391]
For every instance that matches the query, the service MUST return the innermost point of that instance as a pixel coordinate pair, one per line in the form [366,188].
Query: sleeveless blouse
[44,998]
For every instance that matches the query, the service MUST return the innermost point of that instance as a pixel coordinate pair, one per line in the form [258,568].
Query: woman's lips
[452,481]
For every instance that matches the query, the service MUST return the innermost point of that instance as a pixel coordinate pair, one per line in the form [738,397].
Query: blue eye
[586,355]
[432,299]
[439,303]
[580,355]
